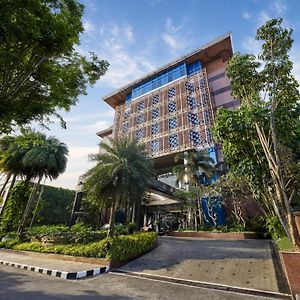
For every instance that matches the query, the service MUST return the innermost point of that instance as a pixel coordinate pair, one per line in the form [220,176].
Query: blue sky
[137,36]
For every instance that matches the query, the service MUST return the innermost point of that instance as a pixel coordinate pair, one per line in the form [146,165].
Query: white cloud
[174,36]
[78,164]
[88,26]
[251,45]
[119,47]
[109,114]
[279,6]
[96,127]
[246,15]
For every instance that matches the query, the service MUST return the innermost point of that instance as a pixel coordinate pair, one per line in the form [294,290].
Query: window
[141,105]
[155,129]
[171,107]
[206,117]
[171,93]
[155,113]
[172,123]
[194,67]
[139,134]
[195,138]
[191,101]
[204,98]
[189,87]
[208,135]
[173,141]
[126,114]
[140,119]
[154,146]
[193,118]
[155,99]
[125,127]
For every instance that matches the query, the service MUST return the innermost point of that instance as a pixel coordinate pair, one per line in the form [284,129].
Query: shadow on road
[15,285]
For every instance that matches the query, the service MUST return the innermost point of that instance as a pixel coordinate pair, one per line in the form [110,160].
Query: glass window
[141,105]
[191,101]
[171,92]
[189,86]
[172,107]
[193,118]
[173,141]
[125,127]
[195,138]
[155,128]
[155,99]
[155,113]
[140,119]
[139,134]
[172,123]
[154,146]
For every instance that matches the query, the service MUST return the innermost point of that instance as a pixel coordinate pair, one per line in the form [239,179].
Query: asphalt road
[16,284]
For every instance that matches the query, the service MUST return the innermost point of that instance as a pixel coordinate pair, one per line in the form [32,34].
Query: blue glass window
[172,123]
[141,105]
[171,92]
[194,67]
[155,129]
[140,119]
[155,99]
[154,146]
[195,138]
[193,118]
[189,86]
[172,107]
[206,116]
[155,113]
[168,76]
[125,127]
[191,101]
[139,134]
[173,141]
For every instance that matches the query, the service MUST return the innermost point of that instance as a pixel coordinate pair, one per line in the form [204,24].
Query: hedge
[120,248]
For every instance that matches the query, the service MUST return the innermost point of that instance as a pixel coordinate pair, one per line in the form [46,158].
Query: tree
[40,71]
[120,176]
[47,159]
[195,166]
[270,109]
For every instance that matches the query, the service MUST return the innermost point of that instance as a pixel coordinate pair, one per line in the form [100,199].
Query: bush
[131,227]
[275,228]
[120,248]
[60,234]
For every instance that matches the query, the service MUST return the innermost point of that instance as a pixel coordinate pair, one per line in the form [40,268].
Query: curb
[56,273]
[208,285]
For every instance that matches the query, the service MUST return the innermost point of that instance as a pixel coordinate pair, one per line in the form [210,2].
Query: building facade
[172,109]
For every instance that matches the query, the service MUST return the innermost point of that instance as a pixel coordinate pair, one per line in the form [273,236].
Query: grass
[284,244]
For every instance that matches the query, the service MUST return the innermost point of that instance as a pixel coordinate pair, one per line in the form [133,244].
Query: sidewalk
[54,265]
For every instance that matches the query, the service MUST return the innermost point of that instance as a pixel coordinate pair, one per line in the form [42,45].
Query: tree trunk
[110,232]
[28,208]
[8,192]
[37,205]
[138,217]
[4,185]
[133,213]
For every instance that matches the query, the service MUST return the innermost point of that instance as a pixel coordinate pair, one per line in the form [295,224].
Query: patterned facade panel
[172,115]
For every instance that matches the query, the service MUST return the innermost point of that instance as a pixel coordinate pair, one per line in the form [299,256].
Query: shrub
[120,248]
[275,228]
[131,227]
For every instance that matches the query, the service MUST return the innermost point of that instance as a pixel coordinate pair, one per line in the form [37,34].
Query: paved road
[240,263]
[16,284]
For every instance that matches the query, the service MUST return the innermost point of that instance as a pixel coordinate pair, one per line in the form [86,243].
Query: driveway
[239,263]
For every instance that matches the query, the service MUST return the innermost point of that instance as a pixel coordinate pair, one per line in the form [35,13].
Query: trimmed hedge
[120,248]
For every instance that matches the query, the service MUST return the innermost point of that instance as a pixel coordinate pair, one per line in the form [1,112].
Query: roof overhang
[220,47]
[105,132]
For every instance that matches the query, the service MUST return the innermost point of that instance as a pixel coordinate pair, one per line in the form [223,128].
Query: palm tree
[194,166]
[46,159]
[120,176]
[10,163]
